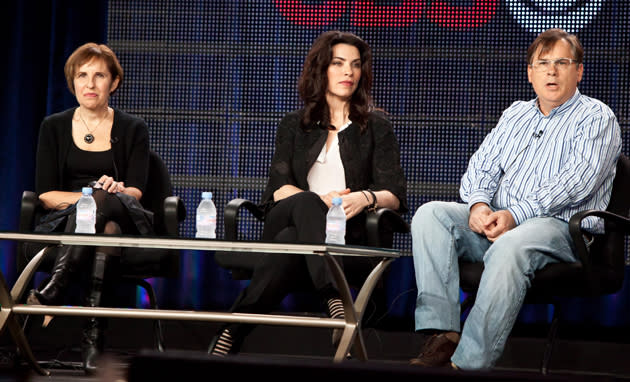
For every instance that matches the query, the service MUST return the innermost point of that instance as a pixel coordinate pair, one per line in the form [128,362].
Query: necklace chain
[97,125]
[89,138]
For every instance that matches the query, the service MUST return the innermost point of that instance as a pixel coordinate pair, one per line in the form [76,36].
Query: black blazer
[371,159]
[130,150]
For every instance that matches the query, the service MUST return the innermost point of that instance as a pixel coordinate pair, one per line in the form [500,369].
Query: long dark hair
[313,82]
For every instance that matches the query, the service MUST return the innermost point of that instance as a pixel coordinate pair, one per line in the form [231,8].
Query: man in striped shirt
[545,160]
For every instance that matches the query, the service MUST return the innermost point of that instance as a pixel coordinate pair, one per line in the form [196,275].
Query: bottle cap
[336,201]
[206,195]
[86,190]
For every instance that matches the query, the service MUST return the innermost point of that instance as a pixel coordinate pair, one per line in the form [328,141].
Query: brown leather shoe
[436,352]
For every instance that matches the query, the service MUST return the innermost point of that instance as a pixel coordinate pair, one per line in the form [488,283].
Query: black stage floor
[289,352]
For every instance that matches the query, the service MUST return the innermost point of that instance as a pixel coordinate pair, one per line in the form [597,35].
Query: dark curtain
[38,36]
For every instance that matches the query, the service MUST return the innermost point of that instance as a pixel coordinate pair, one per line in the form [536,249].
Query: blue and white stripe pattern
[535,165]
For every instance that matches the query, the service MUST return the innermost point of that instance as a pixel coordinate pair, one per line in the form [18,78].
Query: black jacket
[130,150]
[130,154]
[371,159]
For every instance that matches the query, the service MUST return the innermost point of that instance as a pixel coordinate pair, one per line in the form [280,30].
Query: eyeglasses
[559,64]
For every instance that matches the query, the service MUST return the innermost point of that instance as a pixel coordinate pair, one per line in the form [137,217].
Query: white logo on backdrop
[539,15]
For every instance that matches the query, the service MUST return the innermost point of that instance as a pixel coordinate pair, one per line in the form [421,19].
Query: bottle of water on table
[336,223]
[86,212]
[206,217]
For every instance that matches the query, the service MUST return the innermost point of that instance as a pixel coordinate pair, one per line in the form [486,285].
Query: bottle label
[85,219]
[85,215]
[206,226]
[206,220]
[334,226]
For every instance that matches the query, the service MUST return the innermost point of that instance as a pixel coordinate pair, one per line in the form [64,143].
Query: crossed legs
[300,218]
[112,218]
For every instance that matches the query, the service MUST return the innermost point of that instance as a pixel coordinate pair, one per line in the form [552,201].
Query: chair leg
[157,324]
[551,342]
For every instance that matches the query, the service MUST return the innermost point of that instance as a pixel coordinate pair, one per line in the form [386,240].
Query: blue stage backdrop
[213,78]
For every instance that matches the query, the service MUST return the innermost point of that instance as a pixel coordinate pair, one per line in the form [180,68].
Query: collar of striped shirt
[558,109]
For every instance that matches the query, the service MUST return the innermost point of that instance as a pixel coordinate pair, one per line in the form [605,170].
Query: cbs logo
[533,15]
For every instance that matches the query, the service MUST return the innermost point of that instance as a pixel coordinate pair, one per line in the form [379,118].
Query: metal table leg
[353,312]
[27,274]
[8,320]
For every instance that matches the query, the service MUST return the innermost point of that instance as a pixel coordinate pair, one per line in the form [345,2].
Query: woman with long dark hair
[337,145]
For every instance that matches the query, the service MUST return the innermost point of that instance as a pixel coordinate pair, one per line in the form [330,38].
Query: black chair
[136,264]
[381,225]
[601,266]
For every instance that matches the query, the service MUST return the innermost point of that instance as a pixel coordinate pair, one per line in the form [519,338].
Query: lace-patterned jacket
[371,159]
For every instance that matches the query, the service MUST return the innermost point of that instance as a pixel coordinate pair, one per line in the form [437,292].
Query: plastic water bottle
[206,217]
[86,212]
[336,223]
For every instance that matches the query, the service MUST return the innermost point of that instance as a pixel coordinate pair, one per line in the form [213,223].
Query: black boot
[67,262]
[92,344]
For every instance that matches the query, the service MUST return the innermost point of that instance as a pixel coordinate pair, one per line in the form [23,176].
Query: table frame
[352,337]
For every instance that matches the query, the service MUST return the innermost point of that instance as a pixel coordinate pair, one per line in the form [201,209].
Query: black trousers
[301,219]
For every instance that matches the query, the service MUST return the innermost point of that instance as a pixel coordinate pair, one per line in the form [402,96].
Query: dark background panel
[213,79]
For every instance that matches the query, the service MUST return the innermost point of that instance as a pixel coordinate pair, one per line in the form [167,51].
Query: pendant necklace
[89,138]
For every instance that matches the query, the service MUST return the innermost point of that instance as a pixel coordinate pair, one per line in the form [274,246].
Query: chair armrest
[240,265]
[174,214]
[614,222]
[380,222]
[30,202]
[28,207]
[230,216]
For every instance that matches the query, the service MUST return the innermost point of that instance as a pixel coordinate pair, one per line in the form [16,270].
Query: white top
[327,173]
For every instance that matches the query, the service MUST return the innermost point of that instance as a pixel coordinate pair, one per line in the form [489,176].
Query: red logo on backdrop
[364,13]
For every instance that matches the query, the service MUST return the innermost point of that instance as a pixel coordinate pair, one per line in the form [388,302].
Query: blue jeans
[441,235]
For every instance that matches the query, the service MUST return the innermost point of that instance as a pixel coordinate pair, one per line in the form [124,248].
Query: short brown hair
[547,39]
[87,52]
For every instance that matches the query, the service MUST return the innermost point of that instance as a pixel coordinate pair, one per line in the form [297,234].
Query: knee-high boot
[67,263]
[92,343]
